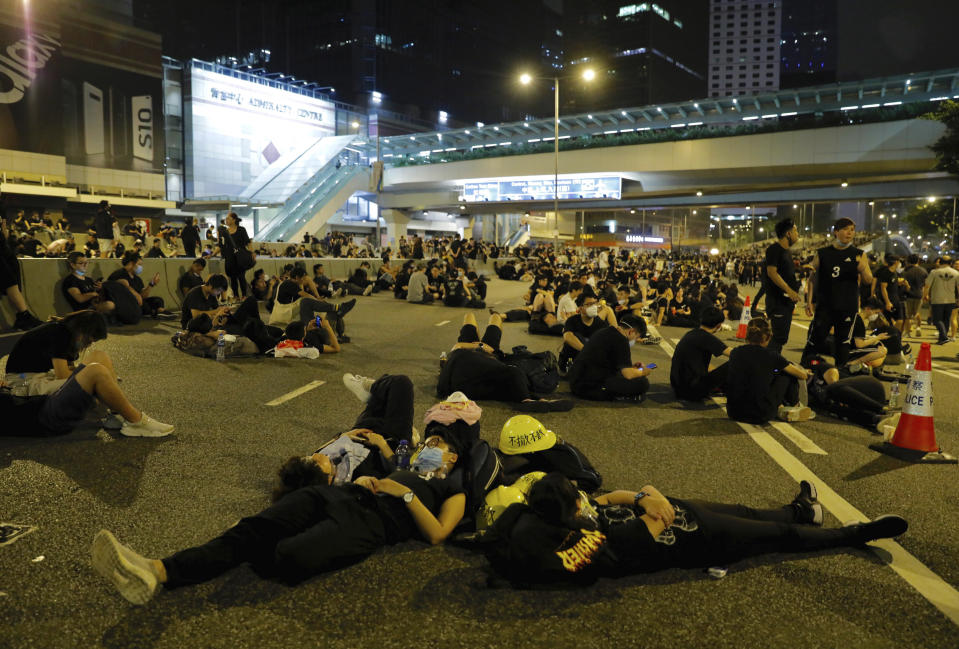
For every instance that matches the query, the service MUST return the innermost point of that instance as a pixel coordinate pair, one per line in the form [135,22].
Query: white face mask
[873,317]
[632,342]
[592,310]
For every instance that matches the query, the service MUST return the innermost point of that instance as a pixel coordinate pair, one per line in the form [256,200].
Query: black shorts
[66,407]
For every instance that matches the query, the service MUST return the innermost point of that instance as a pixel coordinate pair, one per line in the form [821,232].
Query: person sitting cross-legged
[604,370]
[689,373]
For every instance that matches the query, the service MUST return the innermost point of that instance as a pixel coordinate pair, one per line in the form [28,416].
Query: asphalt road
[163,495]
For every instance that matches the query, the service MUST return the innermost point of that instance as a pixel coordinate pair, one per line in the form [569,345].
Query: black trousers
[306,532]
[389,411]
[940,318]
[780,319]
[310,306]
[237,279]
[480,375]
[151,305]
[700,389]
[615,385]
[824,320]
[723,534]
[189,247]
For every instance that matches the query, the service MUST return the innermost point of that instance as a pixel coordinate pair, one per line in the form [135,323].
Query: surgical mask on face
[138,270]
[622,302]
[592,310]
[873,317]
[80,272]
[429,459]
[840,244]
[632,342]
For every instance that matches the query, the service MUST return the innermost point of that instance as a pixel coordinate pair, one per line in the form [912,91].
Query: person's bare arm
[61,368]
[864,271]
[570,339]
[796,371]
[435,530]
[81,298]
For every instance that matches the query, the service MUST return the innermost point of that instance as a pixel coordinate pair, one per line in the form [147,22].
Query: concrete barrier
[42,278]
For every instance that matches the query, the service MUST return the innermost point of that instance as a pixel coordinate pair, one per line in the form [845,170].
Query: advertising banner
[29,88]
[244,131]
[541,189]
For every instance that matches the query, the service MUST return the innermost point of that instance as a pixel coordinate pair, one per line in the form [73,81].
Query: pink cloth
[446,412]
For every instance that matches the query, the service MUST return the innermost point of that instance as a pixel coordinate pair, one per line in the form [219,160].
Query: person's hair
[420,266]
[913,259]
[843,223]
[130,257]
[75,257]
[758,331]
[947,260]
[296,330]
[890,258]
[88,325]
[555,500]
[297,273]
[575,286]
[296,473]
[316,266]
[873,303]
[582,297]
[104,203]
[783,228]
[156,241]
[711,317]
[200,261]
[217,281]
[235,217]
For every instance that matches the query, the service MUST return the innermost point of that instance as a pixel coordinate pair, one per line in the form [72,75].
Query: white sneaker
[368,290]
[887,427]
[146,427]
[130,573]
[796,413]
[358,385]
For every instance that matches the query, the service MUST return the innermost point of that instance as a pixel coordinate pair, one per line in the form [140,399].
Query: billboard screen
[242,131]
[541,189]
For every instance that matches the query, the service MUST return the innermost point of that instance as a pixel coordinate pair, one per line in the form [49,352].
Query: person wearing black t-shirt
[155,252]
[315,528]
[888,290]
[81,291]
[232,239]
[689,373]
[839,269]
[192,277]
[10,281]
[129,276]
[190,236]
[604,370]
[579,327]
[679,313]
[761,384]
[300,287]
[781,284]
[204,299]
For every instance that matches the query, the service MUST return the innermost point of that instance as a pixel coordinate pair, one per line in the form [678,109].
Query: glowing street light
[589,74]
[525,79]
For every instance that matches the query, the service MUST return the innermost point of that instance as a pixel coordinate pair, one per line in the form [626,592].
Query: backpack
[541,368]
[562,457]
[478,475]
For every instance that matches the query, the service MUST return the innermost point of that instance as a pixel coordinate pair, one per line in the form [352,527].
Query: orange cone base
[915,433]
[916,457]
[741,332]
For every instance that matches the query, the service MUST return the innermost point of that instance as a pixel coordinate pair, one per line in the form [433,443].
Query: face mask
[138,270]
[622,302]
[79,272]
[840,244]
[429,459]
[592,310]
[873,317]
[632,342]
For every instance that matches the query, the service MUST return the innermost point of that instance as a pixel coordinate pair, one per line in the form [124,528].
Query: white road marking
[440,324]
[295,393]
[927,583]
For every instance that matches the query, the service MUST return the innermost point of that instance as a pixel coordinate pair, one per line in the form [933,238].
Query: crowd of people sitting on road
[361,492]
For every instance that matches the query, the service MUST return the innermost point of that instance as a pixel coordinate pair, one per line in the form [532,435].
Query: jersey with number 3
[837,280]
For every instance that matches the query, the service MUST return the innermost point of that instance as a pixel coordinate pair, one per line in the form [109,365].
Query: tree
[932,218]
[946,147]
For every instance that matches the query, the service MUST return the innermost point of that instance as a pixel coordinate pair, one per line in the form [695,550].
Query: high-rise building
[744,46]
[809,43]
[643,52]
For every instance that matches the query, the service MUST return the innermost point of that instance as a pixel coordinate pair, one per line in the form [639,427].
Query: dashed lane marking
[295,393]
[440,324]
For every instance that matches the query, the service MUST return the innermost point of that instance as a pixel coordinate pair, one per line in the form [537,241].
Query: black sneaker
[342,338]
[25,321]
[882,527]
[633,398]
[808,509]
[345,307]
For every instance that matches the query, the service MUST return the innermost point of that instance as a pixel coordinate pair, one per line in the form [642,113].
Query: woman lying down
[561,536]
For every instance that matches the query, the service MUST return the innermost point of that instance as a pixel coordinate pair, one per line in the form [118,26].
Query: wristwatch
[639,496]
[408,497]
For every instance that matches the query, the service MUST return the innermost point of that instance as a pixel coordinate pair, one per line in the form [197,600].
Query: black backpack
[562,457]
[541,368]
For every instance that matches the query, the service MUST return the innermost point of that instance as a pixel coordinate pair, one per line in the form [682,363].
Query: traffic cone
[915,436]
[744,320]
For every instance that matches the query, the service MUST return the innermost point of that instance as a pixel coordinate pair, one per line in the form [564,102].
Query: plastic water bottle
[402,455]
[220,348]
[20,388]
[442,359]
[909,364]
[894,395]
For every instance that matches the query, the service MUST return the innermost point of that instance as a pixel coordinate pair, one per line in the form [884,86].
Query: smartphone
[319,321]
[651,366]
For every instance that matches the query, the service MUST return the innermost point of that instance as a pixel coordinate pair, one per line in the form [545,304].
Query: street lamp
[587,75]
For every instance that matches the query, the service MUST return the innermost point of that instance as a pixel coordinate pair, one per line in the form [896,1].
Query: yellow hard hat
[525,482]
[524,434]
[496,503]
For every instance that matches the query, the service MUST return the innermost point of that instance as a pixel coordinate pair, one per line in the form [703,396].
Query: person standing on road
[190,236]
[940,292]
[838,268]
[780,283]
[915,275]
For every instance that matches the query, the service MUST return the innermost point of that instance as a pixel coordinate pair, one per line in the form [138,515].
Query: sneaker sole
[130,431]
[133,583]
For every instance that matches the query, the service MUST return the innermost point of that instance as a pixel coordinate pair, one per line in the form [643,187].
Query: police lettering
[914,400]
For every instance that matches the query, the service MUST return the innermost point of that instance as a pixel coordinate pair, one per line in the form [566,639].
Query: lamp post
[588,75]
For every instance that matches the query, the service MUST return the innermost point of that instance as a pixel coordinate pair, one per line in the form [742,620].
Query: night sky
[887,37]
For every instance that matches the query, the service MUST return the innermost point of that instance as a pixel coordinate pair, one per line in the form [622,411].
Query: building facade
[809,43]
[745,39]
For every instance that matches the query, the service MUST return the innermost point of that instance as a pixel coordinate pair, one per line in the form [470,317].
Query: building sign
[541,189]
[243,132]
[635,238]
